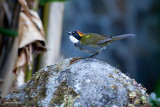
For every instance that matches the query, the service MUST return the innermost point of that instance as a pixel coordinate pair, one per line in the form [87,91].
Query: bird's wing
[92,38]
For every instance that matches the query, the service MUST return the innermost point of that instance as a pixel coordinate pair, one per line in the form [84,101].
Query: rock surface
[77,82]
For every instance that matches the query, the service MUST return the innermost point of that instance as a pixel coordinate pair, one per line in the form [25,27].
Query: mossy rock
[77,82]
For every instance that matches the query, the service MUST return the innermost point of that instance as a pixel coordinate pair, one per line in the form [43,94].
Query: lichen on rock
[77,82]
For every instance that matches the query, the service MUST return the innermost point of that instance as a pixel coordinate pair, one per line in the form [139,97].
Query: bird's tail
[111,39]
[122,36]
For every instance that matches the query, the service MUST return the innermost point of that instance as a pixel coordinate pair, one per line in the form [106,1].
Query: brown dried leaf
[25,58]
[31,37]
[31,3]
[21,61]
[29,51]
[30,28]
[28,32]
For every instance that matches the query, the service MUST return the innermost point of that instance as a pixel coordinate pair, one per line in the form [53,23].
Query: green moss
[137,99]
[33,93]
[58,67]
[115,71]
[64,94]
[34,90]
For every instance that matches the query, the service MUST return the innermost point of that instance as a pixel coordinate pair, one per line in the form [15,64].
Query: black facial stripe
[76,35]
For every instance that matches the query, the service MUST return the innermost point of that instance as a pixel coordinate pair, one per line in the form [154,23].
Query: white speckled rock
[79,83]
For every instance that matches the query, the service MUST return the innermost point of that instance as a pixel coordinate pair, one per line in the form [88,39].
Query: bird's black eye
[74,32]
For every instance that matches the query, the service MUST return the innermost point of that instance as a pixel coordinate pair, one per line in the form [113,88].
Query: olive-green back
[93,39]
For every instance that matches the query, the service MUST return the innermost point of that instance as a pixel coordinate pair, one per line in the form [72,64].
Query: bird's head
[75,36]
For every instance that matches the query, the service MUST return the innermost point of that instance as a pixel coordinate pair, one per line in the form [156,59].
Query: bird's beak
[69,33]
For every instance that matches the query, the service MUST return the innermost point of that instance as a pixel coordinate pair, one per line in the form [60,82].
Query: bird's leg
[94,55]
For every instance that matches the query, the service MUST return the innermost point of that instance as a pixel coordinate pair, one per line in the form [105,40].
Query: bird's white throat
[73,39]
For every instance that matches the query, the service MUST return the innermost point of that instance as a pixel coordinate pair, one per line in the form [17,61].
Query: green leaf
[43,2]
[157,88]
[8,32]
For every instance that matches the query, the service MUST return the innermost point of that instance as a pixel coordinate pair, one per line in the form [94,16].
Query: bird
[93,42]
